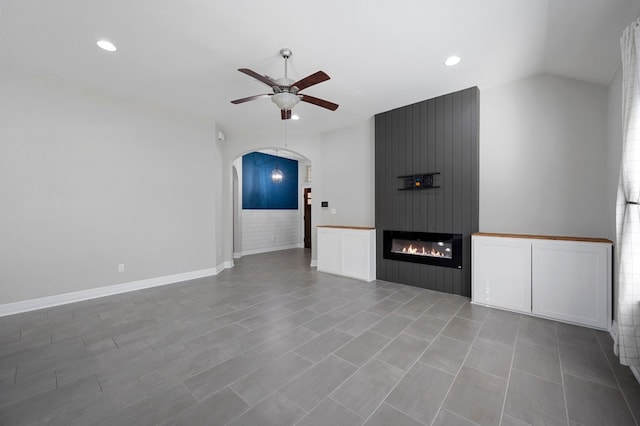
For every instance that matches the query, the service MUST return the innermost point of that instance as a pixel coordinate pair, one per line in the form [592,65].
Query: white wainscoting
[270,230]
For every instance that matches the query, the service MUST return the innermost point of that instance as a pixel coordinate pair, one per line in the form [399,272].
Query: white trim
[237,255]
[270,249]
[93,293]
[314,263]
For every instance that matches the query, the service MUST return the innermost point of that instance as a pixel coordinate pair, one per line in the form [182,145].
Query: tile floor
[273,342]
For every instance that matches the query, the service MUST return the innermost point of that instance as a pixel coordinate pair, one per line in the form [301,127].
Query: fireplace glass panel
[423,247]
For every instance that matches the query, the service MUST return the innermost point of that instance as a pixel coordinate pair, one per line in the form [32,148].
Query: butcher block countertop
[361,228]
[543,237]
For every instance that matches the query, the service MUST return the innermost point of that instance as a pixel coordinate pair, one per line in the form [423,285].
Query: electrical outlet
[121,267]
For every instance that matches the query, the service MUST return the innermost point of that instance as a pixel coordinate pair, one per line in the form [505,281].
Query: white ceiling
[380,55]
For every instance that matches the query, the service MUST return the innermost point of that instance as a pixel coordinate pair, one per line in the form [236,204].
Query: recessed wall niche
[437,135]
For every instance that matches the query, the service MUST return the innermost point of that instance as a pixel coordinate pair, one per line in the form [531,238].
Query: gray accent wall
[437,135]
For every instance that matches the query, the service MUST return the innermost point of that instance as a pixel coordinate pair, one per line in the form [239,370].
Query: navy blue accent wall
[259,192]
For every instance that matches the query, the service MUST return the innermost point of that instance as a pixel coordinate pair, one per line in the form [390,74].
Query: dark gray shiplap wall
[437,135]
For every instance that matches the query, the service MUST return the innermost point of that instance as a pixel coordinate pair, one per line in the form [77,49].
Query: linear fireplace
[423,247]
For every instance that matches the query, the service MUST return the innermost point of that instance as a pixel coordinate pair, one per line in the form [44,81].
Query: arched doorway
[258,230]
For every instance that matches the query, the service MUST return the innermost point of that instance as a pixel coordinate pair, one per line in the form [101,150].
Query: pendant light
[276,174]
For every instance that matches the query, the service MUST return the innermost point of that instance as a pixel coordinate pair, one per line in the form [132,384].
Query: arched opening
[262,228]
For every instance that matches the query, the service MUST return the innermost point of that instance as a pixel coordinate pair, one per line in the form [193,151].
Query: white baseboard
[237,255]
[93,293]
[270,249]
[314,263]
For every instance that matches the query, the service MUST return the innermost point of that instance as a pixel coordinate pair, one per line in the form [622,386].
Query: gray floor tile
[447,418]
[329,412]
[276,410]
[322,345]
[270,377]
[10,393]
[282,344]
[403,351]
[326,321]
[631,391]
[473,312]
[446,354]
[477,396]
[222,375]
[362,348]
[386,415]
[159,407]
[358,323]
[588,364]
[384,307]
[500,329]
[402,296]
[121,359]
[96,408]
[532,399]
[413,308]
[316,383]
[443,310]
[510,421]
[462,329]
[538,360]
[490,358]
[356,306]
[366,389]
[421,392]
[574,335]
[43,404]
[591,403]
[328,305]
[391,325]
[426,327]
[538,331]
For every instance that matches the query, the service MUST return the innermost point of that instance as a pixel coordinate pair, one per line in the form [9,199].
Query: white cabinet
[347,251]
[553,277]
[502,273]
[571,281]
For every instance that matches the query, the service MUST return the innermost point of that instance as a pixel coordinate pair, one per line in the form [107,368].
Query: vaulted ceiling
[380,54]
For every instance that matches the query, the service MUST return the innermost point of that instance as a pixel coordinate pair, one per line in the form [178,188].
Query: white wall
[89,181]
[349,178]
[543,151]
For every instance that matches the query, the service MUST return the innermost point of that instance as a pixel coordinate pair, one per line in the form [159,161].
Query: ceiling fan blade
[263,78]
[251,98]
[309,81]
[285,114]
[320,102]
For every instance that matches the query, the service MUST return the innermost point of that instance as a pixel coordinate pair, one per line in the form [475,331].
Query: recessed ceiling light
[295,117]
[452,60]
[106,45]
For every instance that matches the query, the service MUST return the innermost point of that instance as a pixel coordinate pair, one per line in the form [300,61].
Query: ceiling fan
[285,91]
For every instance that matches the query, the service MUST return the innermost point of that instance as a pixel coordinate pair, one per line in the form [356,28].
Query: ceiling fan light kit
[285,91]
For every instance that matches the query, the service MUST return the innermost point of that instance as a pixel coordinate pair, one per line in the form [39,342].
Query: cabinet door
[571,281]
[502,272]
[355,254]
[329,251]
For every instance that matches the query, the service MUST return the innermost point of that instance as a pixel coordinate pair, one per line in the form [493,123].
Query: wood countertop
[361,228]
[543,237]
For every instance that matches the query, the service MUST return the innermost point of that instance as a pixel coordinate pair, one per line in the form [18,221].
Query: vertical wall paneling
[436,135]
